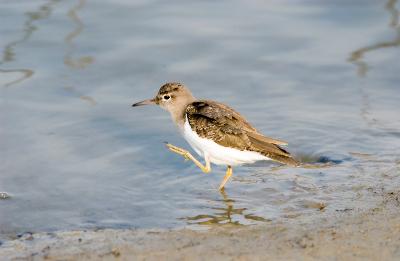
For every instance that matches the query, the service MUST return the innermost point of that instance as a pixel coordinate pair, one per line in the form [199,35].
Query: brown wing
[228,128]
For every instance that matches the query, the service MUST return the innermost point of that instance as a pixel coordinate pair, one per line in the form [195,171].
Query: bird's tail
[288,160]
[273,151]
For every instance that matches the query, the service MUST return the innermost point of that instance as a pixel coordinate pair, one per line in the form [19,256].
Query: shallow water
[74,154]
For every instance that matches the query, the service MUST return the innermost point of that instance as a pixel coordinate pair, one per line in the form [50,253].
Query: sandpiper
[216,132]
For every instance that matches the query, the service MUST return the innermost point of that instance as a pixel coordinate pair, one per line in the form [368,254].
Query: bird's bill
[145,102]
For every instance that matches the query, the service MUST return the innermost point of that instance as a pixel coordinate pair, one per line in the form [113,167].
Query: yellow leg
[226,178]
[186,154]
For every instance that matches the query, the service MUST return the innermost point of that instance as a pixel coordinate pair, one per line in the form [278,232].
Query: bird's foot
[180,151]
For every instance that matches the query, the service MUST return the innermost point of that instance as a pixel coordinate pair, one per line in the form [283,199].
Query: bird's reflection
[225,215]
[9,54]
[356,57]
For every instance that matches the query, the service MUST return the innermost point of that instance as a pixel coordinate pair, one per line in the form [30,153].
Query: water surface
[74,154]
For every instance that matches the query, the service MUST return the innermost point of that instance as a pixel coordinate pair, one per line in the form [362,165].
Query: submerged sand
[372,234]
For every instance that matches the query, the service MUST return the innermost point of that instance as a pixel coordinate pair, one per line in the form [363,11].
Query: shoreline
[372,234]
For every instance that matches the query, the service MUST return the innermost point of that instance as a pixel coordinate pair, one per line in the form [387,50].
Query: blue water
[74,154]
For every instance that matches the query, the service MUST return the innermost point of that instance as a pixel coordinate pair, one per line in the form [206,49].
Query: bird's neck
[178,113]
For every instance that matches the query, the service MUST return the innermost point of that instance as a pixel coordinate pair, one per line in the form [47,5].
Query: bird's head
[172,96]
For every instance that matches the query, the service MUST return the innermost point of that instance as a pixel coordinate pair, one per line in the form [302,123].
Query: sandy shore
[352,235]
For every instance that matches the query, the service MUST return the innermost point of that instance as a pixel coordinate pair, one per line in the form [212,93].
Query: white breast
[216,153]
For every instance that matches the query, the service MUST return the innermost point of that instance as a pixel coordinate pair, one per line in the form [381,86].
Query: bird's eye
[166,97]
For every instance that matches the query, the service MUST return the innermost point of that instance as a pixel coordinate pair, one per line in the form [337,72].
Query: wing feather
[228,128]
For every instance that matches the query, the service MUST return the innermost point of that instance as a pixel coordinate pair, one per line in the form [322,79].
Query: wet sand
[372,234]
